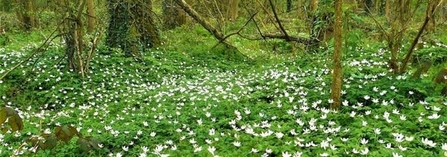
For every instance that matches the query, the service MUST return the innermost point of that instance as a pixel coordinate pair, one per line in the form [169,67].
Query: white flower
[286,154]
[444,146]
[377,131]
[145,149]
[324,154]
[324,144]
[164,155]
[352,114]
[173,147]
[211,149]
[402,117]
[409,138]
[297,154]
[402,148]
[428,142]
[254,150]
[364,141]
[237,143]
[365,151]
[198,149]
[212,132]
[395,111]
[279,135]
[125,148]
[364,123]
[345,103]
[434,116]
[158,149]
[192,141]
[153,134]
[396,154]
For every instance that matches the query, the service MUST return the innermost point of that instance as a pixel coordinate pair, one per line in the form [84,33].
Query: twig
[277,19]
[36,51]
[237,32]
[428,16]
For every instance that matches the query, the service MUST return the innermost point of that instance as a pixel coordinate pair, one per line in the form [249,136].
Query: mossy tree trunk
[233,9]
[173,15]
[300,6]
[91,19]
[337,72]
[289,6]
[25,13]
[131,27]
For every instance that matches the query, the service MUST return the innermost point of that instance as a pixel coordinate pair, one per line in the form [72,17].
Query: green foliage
[437,54]
[190,99]
[46,141]
[14,120]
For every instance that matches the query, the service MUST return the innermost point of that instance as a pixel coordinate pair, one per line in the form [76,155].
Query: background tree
[232,10]
[25,13]
[337,72]
[131,26]
[91,16]
[173,15]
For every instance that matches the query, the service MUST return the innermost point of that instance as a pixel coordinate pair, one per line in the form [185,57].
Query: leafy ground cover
[179,102]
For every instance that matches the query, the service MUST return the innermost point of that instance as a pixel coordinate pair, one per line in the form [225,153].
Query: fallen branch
[191,12]
[237,32]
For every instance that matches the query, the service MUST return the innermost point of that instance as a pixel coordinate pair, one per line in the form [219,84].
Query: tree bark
[91,19]
[173,15]
[26,13]
[191,12]
[289,6]
[300,12]
[337,72]
[131,26]
[233,10]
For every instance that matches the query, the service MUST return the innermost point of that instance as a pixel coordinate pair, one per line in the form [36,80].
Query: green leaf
[10,111]
[19,121]
[65,133]
[84,144]
[94,142]
[2,115]
[13,124]
[66,130]
[73,131]
[50,142]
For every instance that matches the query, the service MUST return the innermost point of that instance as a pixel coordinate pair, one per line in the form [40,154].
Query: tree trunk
[300,5]
[387,10]
[377,6]
[289,5]
[218,35]
[191,12]
[26,13]
[131,25]
[173,15]
[143,21]
[233,9]
[91,19]
[337,72]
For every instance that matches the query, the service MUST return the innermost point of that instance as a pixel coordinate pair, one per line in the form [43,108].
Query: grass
[187,100]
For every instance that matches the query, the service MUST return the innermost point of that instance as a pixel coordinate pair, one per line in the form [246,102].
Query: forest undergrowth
[195,101]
